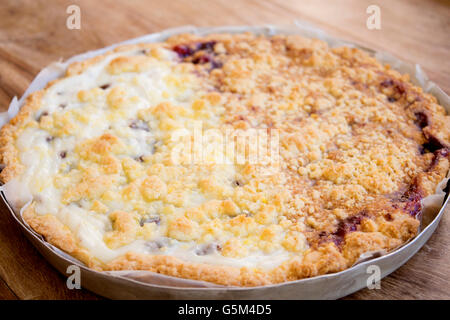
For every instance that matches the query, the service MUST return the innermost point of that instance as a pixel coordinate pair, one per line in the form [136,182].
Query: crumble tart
[358,147]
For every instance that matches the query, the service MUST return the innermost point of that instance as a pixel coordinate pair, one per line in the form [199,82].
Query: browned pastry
[107,157]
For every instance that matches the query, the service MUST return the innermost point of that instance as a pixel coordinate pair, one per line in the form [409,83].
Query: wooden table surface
[34,34]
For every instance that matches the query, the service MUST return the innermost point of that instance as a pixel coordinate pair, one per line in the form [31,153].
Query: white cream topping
[42,160]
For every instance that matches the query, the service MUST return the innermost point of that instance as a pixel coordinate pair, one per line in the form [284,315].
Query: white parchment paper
[431,204]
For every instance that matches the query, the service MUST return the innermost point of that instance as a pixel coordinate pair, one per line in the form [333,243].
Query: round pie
[241,160]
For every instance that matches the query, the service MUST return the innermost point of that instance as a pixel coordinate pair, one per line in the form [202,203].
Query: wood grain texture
[33,34]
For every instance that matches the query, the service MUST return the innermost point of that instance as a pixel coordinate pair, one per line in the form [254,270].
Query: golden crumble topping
[126,159]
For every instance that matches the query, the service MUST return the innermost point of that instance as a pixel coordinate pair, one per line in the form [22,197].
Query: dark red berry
[391,99]
[139,125]
[183,51]
[139,159]
[209,45]
[206,249]
[152,219]
[421,119]
[43,114]
[202,59]
[387,83]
